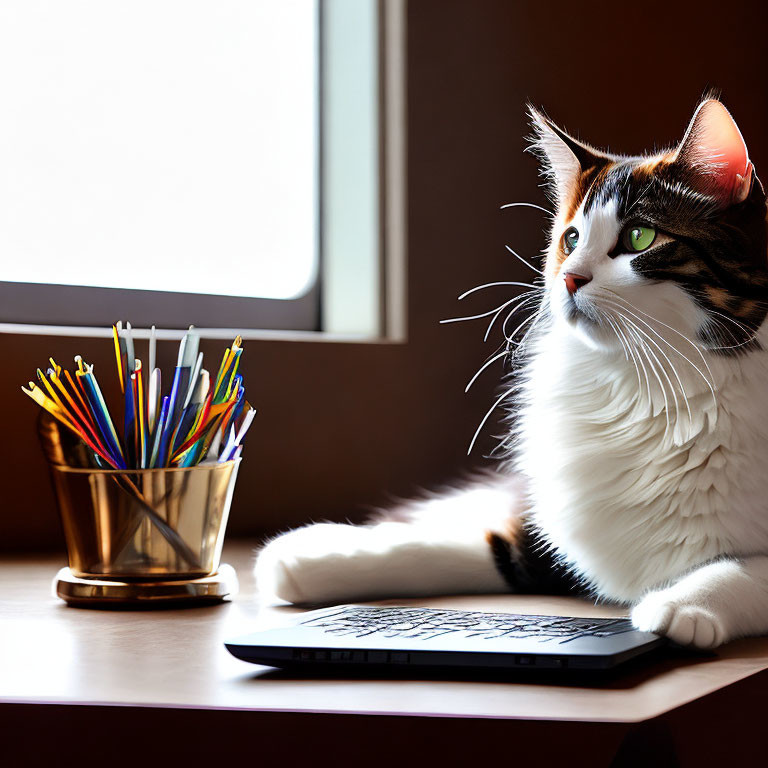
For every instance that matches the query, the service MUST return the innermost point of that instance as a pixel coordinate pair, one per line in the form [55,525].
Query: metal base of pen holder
[111,593]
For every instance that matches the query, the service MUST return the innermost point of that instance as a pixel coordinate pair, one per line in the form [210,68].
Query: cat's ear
[564,159]
[713,149]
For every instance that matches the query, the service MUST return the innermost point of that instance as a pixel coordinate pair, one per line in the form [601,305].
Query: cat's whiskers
[721,332]
[619,321]
[526,297]
[629,353]
[526,205]
[719,325]
[521,298]
[538,316]
[666,357]
[606,317]
[485,365]
[721,329]
[749,332]
[672,366]
[697,347]
[663,369]
[709,382]
[510,338]
[534,319]
[524,261]
[478,316]
[642,364]
[502,282]
[644,349]
[504,395]
[664,372]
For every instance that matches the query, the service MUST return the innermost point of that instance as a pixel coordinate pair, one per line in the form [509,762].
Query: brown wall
[343,426]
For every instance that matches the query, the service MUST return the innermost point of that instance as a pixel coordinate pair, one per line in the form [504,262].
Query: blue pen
[165,434]
[159,432]
[129,433]
[189,409]
[101,414]
[178,391]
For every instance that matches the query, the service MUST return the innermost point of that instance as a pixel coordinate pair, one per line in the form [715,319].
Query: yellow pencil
[119,358]
[139,379]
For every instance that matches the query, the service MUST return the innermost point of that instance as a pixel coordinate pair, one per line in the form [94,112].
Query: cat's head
[675,240]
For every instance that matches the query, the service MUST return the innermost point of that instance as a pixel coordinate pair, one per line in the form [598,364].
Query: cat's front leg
[330,562]
[711,605]
[430,547]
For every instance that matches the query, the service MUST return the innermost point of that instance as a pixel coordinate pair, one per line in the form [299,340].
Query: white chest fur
[628,500]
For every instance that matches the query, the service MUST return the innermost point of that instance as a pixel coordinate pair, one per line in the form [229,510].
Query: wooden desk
[128,684]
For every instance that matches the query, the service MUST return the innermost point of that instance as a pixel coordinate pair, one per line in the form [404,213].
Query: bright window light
[160,145]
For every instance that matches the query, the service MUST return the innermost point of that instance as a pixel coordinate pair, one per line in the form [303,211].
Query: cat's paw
[684,622]
[310,564]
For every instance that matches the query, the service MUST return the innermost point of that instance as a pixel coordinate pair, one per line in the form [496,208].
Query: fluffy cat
[637,460]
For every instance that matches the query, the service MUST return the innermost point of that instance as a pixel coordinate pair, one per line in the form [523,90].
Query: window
[180,161]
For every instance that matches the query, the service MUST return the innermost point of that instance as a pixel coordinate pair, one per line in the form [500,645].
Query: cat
[636,465]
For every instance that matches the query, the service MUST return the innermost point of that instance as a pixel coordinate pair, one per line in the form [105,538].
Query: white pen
[129,350]
[191,347]
[152,349]
[153,399]
[193,381]
[236,443]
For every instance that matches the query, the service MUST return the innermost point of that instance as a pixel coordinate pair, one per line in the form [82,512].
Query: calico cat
[636,468]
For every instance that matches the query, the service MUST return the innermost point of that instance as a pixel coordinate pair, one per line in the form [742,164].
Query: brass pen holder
[144,536]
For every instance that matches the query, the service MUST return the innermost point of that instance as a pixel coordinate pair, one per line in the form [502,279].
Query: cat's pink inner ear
[714,149]
[562,165]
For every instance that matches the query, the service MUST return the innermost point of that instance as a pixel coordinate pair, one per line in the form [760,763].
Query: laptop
[430,638]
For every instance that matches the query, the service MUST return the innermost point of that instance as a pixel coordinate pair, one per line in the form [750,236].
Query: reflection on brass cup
[145,524]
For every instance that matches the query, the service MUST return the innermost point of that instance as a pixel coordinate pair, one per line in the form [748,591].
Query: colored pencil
[200,419]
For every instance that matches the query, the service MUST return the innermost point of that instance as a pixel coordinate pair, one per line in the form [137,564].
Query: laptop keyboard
[427,623]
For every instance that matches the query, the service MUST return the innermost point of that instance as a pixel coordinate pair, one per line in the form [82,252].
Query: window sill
[205,333]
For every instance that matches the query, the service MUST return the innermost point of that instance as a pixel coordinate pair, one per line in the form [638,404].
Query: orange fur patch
[718,296]
[510,530]
[651,164]
[748,307]
[586,180]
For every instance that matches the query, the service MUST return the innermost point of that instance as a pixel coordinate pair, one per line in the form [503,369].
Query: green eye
[570,240]
[639,237]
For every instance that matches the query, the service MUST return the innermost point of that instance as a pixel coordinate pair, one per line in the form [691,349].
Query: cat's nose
[573,282]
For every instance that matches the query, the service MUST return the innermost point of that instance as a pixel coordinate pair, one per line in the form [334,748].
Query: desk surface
[55,654]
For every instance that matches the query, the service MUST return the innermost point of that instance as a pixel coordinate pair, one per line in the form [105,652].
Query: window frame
[322,311]
[306,318]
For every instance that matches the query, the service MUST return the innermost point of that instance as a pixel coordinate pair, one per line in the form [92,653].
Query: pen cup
[163,524]
[146,524]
